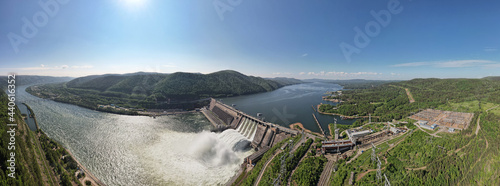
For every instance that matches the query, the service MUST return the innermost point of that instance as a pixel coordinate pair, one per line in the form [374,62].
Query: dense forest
[462,158]
[354,83]
[154,90]
[390,101]
[38,159]
[30,80]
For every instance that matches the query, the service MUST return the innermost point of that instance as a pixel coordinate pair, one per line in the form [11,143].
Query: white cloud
[341,74]
[82,67]
[464,63]
[414,64]
[490,49]
[281,73]
[450,64]
[304,55]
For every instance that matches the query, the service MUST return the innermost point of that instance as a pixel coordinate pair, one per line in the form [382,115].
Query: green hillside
[153,90]
[38,159]
[467,157]
[390,101]
[497,78]
[29,80]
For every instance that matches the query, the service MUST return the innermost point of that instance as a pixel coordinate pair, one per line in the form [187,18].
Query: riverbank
[32,115]
[88,175]
[295,125]
[343,116]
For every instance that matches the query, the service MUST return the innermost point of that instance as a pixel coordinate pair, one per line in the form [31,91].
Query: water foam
[209,157]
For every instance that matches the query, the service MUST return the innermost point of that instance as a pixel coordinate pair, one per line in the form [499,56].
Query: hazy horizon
[317,78]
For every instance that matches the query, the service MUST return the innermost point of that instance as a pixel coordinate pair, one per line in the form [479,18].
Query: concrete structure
[336,146]
[255,157]
[261,134]
[353,136]
[424,124]
[395,130]
[456,120]
[372,137]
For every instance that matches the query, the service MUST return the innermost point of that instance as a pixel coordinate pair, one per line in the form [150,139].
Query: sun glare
[134,4]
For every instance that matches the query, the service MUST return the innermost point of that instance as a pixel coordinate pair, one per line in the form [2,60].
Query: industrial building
[395,130]
[255,157]
[353,136]
[423,124]
[336,146]
[456,120]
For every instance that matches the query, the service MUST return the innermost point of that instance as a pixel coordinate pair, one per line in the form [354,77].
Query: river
[290,104]
[168,150]
[140,150]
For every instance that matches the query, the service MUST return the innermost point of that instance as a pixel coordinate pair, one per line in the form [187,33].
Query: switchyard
[449,119]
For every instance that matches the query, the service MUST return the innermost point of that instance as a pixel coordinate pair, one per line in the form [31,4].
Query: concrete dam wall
[260,133]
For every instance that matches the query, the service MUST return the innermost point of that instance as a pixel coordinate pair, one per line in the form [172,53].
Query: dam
[261,134]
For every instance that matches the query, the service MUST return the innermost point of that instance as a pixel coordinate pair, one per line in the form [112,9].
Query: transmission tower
[335,129]
[387,183]
[286,154]
[373,152]
[379,172]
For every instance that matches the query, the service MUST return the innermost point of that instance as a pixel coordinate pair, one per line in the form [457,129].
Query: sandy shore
[292,126]
[332,133]
[88,174]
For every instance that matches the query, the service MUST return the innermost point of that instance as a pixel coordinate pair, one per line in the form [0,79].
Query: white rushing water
[205,158]
[139,150]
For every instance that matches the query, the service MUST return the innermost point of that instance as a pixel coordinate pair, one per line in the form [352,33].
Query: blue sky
[285,38]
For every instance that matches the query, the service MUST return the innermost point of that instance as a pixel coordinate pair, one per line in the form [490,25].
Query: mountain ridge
[155,90]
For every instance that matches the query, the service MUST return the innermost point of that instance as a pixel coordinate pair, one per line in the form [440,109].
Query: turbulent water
[139,150]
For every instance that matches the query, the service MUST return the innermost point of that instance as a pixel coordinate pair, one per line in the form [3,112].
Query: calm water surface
[289,105]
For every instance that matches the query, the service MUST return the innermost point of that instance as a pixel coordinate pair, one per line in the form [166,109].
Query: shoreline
[292,126]
[32,114]
[345,117]
[332,133]
[88,174]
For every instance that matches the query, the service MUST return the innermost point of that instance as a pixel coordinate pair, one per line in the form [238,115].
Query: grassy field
[469,106]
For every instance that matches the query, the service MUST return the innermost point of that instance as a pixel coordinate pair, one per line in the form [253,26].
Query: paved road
[426,131]
[265,166]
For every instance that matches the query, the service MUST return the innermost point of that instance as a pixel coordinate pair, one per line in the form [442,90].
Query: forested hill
[497,78]
[155,90]
[178,85]
[390,101]
[27,80]
[38,160]
[286,81]
[354,83]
